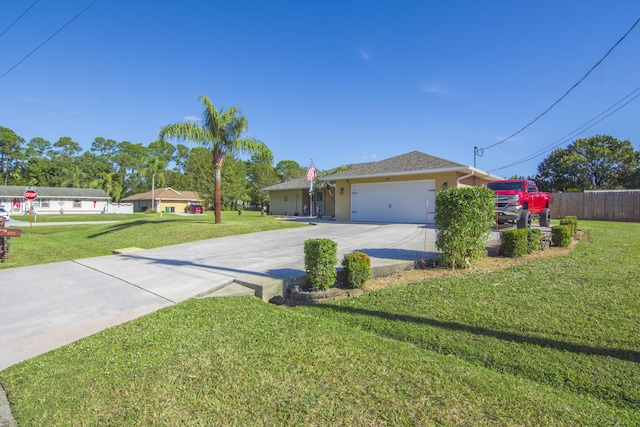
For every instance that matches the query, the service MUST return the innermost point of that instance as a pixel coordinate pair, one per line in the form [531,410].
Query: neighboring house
[53,200]
[166,200]
[399,189]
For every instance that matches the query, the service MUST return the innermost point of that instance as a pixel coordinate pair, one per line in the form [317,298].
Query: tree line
[122,168]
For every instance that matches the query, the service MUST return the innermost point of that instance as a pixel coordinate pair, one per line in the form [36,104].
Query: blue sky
[334,81]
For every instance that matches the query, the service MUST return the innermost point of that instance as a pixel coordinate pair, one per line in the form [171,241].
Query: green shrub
[534,236]
[357,269]
[571,222]
[514,243]
[320,259]
[561,235]
[464,217]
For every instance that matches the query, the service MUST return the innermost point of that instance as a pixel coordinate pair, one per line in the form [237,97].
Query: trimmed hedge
[571,222]
[357,269]
[464,217]
[320,259]
[534,237]
[561,235]
[515,243]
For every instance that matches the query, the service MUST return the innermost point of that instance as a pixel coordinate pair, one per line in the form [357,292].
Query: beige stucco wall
[290,202]
[177,206]
[343,187]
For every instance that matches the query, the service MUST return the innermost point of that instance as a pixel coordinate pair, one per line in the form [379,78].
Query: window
[318,196]
[77,204]
[40,203]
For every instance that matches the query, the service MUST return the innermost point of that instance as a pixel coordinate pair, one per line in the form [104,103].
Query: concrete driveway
[44,307]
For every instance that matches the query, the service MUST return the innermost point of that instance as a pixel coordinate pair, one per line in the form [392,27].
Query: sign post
[30,194]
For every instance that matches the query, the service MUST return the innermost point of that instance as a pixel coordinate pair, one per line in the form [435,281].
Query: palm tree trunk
[218,199]
[153,191]
[217,166]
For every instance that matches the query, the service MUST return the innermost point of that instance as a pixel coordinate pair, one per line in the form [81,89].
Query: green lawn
[555,342]
[51,243]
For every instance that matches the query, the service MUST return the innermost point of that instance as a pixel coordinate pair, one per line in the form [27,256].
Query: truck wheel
[525,220]
[545,218]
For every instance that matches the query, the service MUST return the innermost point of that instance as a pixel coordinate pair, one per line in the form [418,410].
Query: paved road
[47,306]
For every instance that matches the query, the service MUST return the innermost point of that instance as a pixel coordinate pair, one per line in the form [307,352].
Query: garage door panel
[403,201]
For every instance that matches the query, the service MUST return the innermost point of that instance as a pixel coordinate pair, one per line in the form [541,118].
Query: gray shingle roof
[292,184]
[414,161]
[17,191]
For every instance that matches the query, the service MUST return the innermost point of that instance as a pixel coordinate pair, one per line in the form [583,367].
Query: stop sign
[30,194]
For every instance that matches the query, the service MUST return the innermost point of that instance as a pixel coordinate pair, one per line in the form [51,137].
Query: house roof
[17,191]
[165,194]
[292,184]
[405,164]
[411,163]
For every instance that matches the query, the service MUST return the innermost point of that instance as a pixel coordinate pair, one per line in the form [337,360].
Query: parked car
[194,209]
[4,214]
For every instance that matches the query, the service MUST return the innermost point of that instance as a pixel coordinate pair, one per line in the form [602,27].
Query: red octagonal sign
[30,194]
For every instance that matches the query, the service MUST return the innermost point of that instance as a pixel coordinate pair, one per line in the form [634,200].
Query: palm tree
[221,131]
[109,183]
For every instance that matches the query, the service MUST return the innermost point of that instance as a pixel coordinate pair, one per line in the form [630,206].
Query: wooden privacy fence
[611,205]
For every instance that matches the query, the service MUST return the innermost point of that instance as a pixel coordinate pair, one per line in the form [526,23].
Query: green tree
[221,131]
[180,156]
[599,162]
[261,174]
[74,176]
[200,173]
[109,183]
[38,147]
[10,153]
[67,147]
[289,169]
[234,182]
[159,155]
[130,159]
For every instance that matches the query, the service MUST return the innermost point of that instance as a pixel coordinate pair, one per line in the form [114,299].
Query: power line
[49,38]
[18,18]
[581,129]
[569,91]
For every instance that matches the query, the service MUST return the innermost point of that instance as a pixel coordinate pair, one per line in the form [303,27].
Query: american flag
[312,172]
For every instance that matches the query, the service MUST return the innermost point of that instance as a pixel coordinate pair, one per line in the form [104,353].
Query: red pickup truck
[519,200]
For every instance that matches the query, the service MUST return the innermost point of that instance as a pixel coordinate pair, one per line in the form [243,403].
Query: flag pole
[311,174]
[310,189]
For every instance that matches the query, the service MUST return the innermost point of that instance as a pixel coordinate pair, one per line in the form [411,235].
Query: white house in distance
[54,200]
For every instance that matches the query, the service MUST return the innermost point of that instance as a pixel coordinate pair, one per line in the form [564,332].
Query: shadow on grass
[125,225]
[626,355]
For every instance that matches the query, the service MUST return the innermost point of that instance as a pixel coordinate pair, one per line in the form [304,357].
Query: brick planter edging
[295,296]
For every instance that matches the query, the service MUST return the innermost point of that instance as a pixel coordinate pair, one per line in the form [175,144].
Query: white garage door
[404,201]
